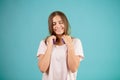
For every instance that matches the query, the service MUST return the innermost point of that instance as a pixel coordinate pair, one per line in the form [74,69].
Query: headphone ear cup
[63,41]
[54,41]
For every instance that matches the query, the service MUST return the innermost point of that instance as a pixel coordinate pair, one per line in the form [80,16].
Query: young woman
[59,55]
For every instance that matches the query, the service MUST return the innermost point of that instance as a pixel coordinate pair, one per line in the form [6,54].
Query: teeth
[58,29]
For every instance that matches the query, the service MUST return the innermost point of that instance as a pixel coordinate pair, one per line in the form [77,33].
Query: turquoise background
[23,23]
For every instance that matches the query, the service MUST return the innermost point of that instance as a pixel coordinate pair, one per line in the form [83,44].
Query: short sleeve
[42,48]
[78,48]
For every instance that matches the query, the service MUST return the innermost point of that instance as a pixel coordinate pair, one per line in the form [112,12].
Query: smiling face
[58,25]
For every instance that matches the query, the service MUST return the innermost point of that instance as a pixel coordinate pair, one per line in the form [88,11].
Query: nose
[58,25]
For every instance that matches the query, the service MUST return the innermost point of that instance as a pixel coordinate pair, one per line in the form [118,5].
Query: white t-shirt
[58,65]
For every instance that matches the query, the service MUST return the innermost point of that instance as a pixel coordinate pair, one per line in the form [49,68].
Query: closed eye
[54,23]
[60,22]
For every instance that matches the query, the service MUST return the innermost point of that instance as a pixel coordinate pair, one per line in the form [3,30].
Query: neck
[59,40]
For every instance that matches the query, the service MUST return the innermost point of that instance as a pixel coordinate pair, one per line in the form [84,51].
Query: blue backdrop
[23,23]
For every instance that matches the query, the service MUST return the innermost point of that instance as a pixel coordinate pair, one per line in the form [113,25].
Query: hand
[67,39]
[50,40]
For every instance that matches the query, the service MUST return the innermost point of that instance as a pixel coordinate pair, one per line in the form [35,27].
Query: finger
[53,37]
[63,36]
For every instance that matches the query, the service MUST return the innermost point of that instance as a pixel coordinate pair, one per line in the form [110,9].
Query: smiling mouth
[59,31]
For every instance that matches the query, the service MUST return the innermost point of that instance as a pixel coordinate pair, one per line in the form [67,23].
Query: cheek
[63,27]
[54,28]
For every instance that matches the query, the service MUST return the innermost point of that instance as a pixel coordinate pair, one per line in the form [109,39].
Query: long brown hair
[64,19]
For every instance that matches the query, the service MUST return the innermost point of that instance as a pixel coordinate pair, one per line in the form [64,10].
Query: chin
[59,34]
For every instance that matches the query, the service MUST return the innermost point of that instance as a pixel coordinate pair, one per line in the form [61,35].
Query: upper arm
[40,56]
[78,58]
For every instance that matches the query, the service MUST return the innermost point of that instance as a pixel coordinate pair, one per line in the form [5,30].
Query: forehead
[57,18]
